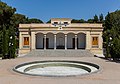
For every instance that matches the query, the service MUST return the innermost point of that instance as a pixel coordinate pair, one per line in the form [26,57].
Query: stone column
[88,43]
[100,39]
[66,42]
[76,42]
[55,42]
[33,40]
[20,41]
[45,42]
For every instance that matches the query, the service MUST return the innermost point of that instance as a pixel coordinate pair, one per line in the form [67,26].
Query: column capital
[65,35]
[45,35]
[75,35]
[55,35]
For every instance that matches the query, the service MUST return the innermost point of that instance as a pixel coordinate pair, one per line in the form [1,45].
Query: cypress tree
[111,35]
[5,44]
[101,18]
[95,18]
[6,13]
[12,42]
[106,33]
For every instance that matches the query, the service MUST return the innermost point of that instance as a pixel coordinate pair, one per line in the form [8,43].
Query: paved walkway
[109,73]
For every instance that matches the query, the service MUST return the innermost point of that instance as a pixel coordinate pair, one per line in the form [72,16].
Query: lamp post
[110,40]
[10,47]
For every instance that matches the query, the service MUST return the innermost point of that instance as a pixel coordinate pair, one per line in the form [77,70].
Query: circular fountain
[56,68]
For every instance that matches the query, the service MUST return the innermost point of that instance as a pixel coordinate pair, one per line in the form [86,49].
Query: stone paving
[108,74]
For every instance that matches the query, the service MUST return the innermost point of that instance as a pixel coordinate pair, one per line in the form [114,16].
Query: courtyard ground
[108,74]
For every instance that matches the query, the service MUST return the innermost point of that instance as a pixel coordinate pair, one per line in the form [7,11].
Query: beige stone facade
[61,34]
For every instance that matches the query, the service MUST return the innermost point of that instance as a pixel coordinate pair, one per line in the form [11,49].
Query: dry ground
[109,73]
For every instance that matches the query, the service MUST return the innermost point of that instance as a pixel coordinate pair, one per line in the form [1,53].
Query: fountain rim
[81,62]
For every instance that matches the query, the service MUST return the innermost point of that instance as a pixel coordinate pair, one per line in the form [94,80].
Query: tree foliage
[90,20]
[6,13]
[101,18]
[78,21]
[111,34]
[9,23]
[34,20]
[96,19]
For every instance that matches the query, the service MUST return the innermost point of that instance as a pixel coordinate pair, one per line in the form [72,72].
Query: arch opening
[39,41]
[60,41]
[49,41]
[81,41]
[70,41]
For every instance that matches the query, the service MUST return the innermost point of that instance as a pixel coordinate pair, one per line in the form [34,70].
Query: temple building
[61,34]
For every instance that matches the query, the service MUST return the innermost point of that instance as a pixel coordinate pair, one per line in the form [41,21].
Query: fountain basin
[56,68]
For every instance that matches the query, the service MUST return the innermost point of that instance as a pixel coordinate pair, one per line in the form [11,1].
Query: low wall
[24,51]
[96,51]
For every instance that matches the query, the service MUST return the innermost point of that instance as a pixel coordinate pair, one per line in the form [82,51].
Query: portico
[60,34]
[60,41]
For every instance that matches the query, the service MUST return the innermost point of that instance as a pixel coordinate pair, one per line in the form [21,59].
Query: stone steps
[60,53]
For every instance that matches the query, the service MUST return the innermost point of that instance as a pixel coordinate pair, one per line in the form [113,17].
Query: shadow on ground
[108,59]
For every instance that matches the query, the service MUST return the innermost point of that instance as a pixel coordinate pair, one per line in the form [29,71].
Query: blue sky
[75,9]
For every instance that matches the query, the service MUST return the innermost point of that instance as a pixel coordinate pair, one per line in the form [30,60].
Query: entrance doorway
[81,41]
[49,41]
[60,41]
[39,41]
[70,41]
